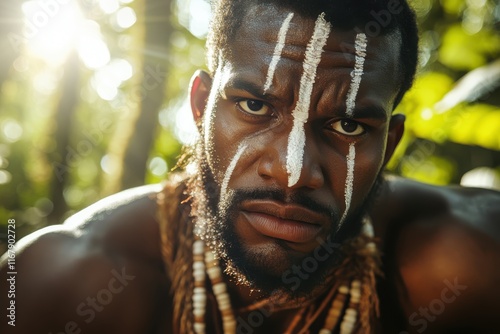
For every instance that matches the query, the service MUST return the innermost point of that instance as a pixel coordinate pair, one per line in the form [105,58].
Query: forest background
[93,99]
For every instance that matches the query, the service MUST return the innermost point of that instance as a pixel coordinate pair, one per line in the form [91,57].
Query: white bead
[199,312]
[349,318]
[214,272]
[199,327]
[198,247]
[198,265]
[199,305]
[199,298]
[325,331]
[346,328]
[351,311]
[219,288]
[199,290]
[209,256]
[368,227]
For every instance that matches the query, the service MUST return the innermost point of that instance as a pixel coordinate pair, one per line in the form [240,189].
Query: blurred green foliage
[439,146]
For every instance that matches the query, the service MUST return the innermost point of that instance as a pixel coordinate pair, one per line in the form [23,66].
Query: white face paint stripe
[357,72]
[229,172]
[277,51]
[211,102]
[349,181]
[297,139]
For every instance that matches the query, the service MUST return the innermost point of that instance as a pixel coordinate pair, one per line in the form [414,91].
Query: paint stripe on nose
[297,138]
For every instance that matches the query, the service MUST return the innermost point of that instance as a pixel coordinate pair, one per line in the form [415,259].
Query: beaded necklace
[345,308]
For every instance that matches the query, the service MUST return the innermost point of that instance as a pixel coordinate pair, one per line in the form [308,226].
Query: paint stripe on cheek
[297,139]
[357,72]
[229,172]
[277,51]
[349,181]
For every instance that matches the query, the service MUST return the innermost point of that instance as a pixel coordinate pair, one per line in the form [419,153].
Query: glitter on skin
[297,139]
[357,72]
[229,172]
[349,181]
[277,51]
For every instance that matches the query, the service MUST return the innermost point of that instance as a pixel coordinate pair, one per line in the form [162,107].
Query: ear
[199,88]
[396,130]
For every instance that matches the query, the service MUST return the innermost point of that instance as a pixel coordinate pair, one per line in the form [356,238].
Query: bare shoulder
[99,272]
[442,246]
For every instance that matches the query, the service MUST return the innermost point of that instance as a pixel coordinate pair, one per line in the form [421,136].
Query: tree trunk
[64,157]
[157,34]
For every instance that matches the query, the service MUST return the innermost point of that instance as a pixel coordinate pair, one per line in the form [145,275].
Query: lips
[288,222]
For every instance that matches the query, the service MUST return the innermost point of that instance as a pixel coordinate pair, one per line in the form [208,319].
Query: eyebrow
[250,87]
[372,111]
[369,111]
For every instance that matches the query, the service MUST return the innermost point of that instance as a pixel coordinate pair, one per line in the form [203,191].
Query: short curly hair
[342,14]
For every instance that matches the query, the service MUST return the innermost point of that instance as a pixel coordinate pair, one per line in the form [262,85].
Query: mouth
[288,222]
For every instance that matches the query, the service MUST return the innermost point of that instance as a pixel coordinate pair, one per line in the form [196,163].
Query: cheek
[369,159]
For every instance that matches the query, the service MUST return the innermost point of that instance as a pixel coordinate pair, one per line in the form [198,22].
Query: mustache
[237,196]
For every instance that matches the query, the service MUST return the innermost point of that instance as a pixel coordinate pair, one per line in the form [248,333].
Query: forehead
[254,43]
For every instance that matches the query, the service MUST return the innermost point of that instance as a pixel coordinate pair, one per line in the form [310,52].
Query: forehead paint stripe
[357,72]
[210,107]
[277,51]
[297,139]
[349,181]
[229,172]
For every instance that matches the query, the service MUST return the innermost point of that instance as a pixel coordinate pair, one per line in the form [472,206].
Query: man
[268,231]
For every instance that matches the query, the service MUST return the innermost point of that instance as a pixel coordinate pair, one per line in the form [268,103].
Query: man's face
[291,142]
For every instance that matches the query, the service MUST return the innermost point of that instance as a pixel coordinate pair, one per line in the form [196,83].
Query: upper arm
[450,266]
[89,280]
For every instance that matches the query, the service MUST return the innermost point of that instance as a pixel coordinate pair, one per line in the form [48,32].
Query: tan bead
[371,247]
[325,331]
[199,284]
[216,280]
[227,312]
[343,289]
[199,319]
[198,258]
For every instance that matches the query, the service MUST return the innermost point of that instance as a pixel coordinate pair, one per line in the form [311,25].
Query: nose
[272,165]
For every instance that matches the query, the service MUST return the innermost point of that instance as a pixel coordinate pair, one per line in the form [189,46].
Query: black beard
[215,224]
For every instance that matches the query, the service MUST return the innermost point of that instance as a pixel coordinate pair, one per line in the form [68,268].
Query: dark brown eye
[254,107]
[348,127]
